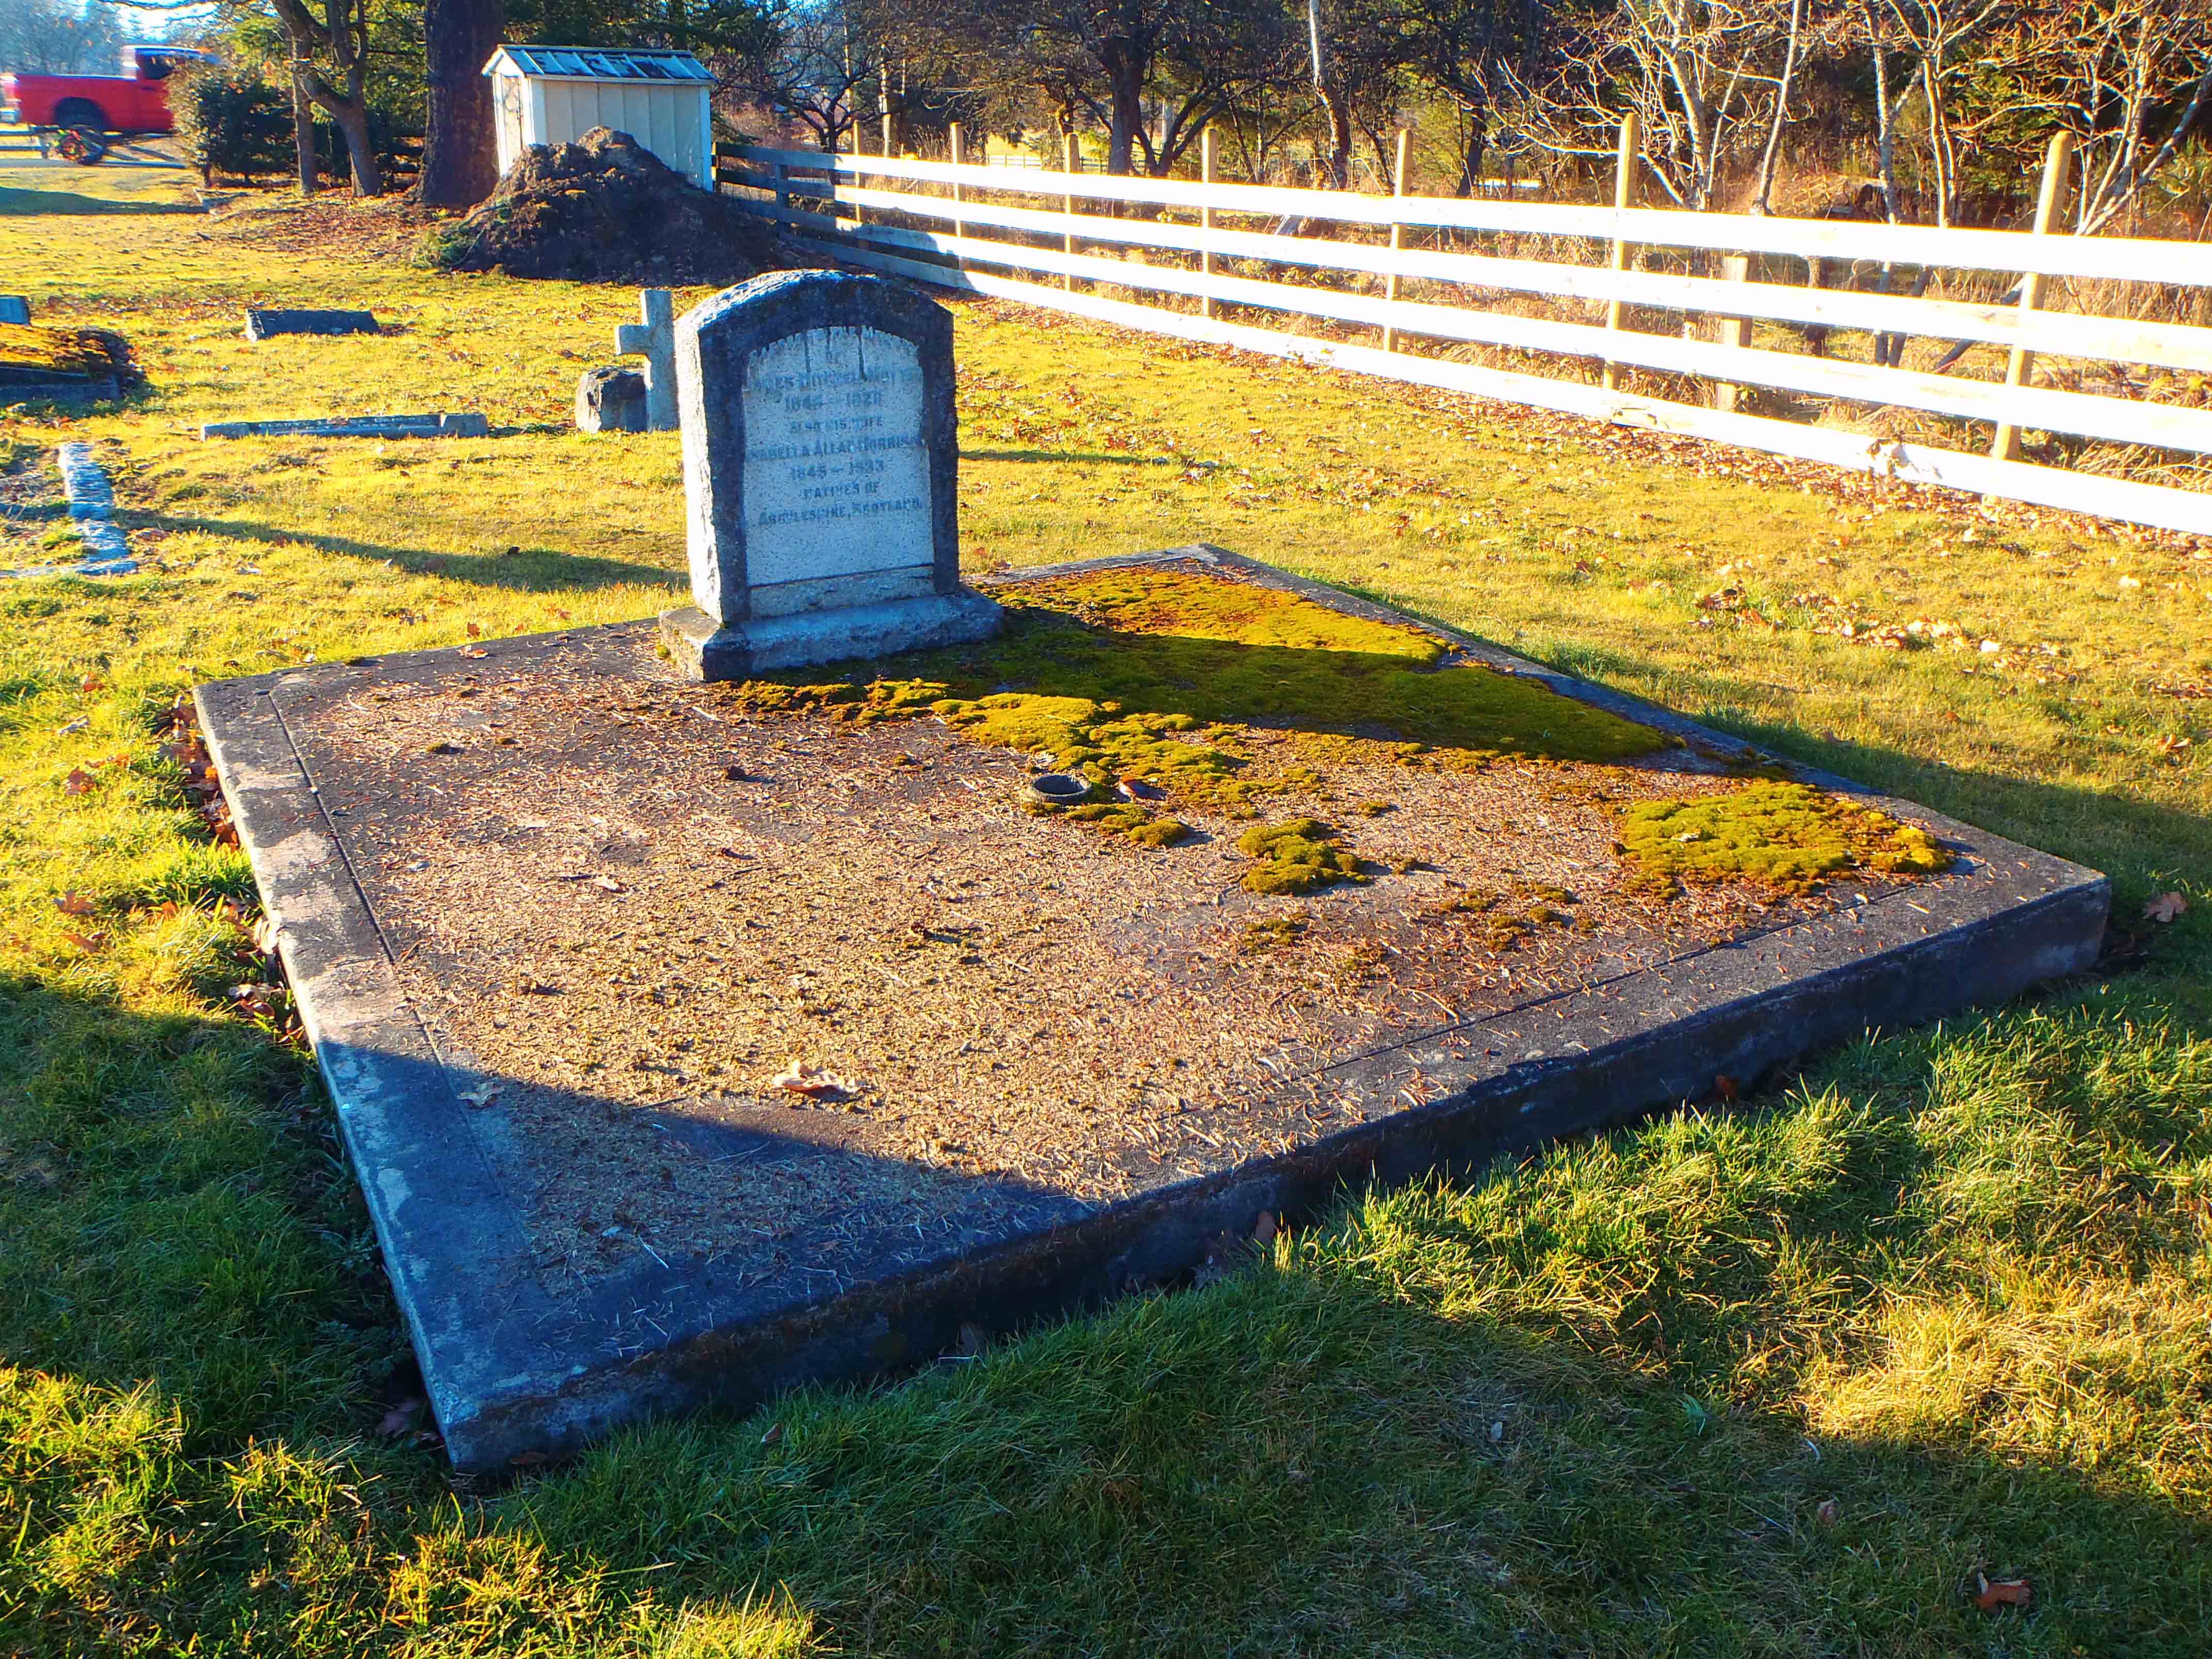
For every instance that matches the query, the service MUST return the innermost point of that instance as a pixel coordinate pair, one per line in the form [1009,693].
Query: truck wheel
[82,145]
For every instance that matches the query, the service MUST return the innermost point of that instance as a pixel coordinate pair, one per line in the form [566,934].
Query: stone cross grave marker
[820,474]
[654,337]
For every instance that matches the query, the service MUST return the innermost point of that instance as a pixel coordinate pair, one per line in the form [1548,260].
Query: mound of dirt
[605,209]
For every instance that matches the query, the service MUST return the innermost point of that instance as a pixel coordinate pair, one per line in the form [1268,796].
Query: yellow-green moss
[1787,836]
[1269,932]
[1130,823]
[1296,857]
[1162,675]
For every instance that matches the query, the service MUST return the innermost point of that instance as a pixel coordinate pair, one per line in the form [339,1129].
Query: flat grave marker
[467,424]
[821,464]
[15,308]
[694,1042]
[268,322]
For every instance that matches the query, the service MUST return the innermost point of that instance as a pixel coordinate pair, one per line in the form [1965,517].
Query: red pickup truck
[86,110]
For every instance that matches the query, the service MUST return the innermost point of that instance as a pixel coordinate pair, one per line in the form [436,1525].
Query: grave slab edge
[397,1105]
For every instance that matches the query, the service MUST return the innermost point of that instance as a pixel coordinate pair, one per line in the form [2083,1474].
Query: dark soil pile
[605,209]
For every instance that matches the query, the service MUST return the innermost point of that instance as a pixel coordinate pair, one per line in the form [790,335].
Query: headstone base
[759,645]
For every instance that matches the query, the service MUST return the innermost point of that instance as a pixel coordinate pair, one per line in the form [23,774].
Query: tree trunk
[1478,146]
[303,119]
[1125,78]
[352,118]
[460,147]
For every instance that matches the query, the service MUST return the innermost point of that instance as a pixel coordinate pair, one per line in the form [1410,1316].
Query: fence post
[1630,158]
[1735,330]
[782,186]
[2058,172]
[952,131]
[1206,165]
[1071,160]
[1397,231]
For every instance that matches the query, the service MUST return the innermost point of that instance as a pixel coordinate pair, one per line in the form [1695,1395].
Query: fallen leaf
[77,782]
[1263,1230]
[90,683]
[480,1095]
[1990,1594]
[1725,1086]
[523,1459]
[74,904]
[91,944]
[2166,906]
[812,1082]
[400,1419]
[1826,1514]
[474,651]
[775,1435]
[476,631]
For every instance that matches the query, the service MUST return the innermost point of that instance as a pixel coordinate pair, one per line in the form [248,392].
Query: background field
[1777,1377]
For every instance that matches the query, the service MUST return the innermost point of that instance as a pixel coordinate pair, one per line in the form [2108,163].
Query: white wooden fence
[977,233]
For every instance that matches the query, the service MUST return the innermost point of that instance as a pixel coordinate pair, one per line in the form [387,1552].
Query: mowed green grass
[1778,1378]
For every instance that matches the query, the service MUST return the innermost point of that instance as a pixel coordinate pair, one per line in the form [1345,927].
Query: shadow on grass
[1068,457]
[530,569]
[17,201]
[1522,1412]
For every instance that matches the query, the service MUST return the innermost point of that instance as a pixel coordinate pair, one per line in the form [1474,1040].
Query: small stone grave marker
[263,323]
[15,308]
[610,399]
[820,476]
[654,337]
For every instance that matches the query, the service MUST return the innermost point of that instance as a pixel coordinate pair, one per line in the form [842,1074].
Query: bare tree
[341,33]
[2130,78]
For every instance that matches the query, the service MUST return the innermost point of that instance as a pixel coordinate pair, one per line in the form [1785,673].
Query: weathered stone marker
[820,474]
[654,337]
[15,308]
[263,323]
[610,399]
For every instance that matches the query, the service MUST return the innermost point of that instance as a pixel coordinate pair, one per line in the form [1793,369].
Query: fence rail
[822,200]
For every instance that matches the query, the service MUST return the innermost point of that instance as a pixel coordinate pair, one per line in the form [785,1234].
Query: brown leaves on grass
[77,783]
[1990,1594]
[812,1083]
[2166,907]
[74,904]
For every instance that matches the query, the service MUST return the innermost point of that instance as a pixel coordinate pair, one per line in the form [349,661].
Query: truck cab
[89,109]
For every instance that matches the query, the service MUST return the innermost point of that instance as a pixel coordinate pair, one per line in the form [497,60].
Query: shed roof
[661,64]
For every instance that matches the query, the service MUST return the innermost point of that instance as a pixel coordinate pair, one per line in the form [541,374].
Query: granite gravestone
[610,399]
[15,308]
[820,468]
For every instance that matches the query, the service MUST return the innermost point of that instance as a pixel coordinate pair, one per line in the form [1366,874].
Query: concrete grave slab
[15,308]
[820,477]
[467,424]
[693,1042]
[266,323]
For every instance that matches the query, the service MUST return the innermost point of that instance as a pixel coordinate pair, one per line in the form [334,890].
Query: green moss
[1162,676]
[1296,857]
[1130,823]
[1270,932]
[1787,836]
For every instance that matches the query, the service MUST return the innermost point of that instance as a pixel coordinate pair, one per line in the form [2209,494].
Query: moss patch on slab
[1165,676]
[1787,836]
[1296,857]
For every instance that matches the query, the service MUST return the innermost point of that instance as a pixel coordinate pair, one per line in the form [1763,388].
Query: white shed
[554,94]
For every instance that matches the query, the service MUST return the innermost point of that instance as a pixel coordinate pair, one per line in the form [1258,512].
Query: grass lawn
[1777,1378]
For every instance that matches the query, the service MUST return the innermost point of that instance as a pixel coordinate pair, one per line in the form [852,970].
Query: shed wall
[666,119]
